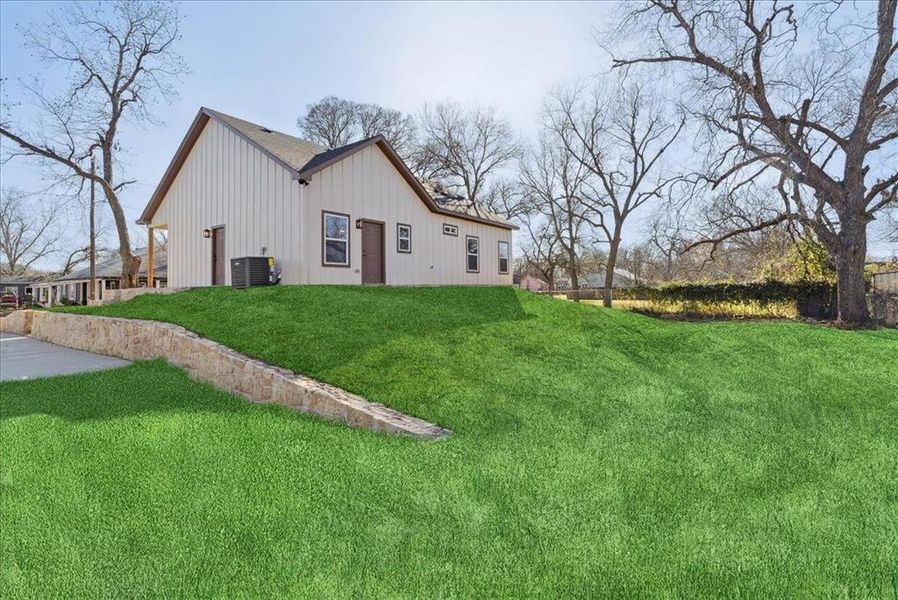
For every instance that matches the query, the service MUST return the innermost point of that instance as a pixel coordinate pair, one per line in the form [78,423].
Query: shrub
[813,299]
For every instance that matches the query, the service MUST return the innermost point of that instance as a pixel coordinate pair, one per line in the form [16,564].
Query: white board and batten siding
[228,181]
[365,185]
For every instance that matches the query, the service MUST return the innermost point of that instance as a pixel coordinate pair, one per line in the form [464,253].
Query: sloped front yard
[595,452]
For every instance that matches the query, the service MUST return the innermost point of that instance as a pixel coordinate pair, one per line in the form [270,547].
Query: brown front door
[372,252]
[218,255]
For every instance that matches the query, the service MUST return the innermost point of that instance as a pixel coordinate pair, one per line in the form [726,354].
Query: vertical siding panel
[227,195]
[278,241]
[243,197]
[252,193]
[269,205]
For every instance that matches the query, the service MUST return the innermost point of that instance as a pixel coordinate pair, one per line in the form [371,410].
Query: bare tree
[335,122]
[817,126]
[26,235]
[399,129]
[463,147]
[75,258]
[891,220]
[120,58]
[552,181]
[619,136]
[666,235]
[506,198]
[331,122]
[541,249]
[635,259]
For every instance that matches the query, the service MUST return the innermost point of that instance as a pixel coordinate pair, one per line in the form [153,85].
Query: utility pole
[93,233]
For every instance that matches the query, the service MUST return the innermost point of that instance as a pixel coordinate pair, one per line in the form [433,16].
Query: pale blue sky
[265,61]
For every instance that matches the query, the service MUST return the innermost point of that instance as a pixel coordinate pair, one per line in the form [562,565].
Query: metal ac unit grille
[249,271]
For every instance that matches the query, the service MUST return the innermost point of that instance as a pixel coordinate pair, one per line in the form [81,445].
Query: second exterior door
[372,252]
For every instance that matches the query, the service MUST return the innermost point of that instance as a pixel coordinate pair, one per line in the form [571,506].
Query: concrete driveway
[22,357]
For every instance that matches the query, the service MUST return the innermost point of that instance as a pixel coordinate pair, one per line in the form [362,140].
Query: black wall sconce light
[207,233]
[358,223]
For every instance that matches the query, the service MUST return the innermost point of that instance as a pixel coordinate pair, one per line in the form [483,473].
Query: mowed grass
[596,452]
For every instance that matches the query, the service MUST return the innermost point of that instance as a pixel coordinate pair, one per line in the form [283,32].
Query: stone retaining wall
[116,296]
[217,365]
[18,321]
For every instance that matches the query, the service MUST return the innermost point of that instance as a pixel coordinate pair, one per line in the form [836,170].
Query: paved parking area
[22,357]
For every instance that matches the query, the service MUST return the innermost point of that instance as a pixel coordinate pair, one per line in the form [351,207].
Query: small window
[403,238]
[472,249]
[335,240]
[449,229]
[503,257]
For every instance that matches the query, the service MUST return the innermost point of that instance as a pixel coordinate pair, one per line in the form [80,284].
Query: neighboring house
[20,287]
[351,215]
[591,281]
[74,286]
[622,279]
[532,283]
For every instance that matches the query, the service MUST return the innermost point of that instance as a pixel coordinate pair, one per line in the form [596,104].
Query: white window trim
[399,238]
[452,229]
[324,239]
[470,254]
[507,257]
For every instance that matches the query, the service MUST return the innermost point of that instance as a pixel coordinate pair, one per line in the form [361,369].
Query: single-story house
[74,286]
[351,215]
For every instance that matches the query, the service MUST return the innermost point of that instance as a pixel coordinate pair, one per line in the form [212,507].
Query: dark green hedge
[813,299]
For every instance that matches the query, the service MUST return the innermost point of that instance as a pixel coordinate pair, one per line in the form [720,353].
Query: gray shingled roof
[111,268]
[294,151]
[327,155]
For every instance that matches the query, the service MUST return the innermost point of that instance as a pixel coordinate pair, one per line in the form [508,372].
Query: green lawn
[596,452]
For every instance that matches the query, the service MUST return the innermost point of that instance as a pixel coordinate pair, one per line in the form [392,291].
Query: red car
[9,299]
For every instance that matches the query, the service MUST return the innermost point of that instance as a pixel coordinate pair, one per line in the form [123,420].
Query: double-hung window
[403,238]
[503,257]
[472,253]
[335,239]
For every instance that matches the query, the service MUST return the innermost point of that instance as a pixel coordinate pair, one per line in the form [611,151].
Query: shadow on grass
[140,388]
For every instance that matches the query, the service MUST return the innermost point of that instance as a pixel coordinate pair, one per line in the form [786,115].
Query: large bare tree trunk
[130,264]
[573,271]
[850,258]
[609,270]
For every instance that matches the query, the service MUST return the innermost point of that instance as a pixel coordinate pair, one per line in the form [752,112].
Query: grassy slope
[595,452]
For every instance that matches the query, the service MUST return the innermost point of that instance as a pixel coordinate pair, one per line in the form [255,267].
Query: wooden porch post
[150,245]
